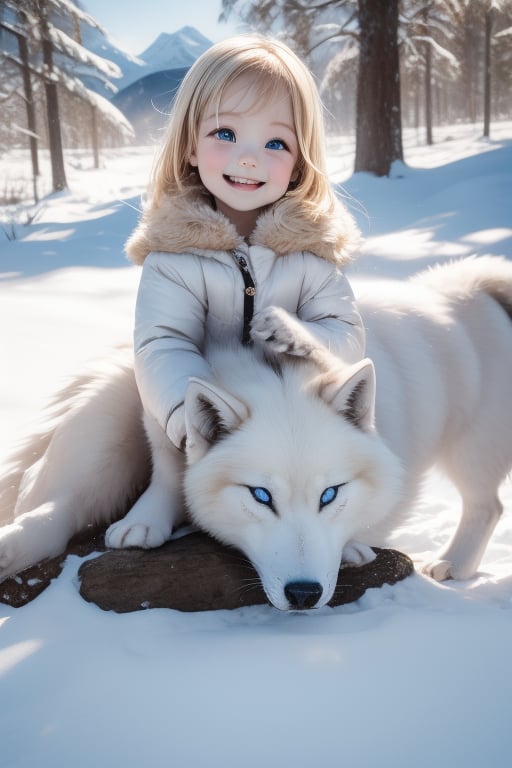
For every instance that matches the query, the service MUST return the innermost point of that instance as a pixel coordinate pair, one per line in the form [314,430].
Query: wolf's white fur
[441,346]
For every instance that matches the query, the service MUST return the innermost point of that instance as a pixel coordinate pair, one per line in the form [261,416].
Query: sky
[135,25]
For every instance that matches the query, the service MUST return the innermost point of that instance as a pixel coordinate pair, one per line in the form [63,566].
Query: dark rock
[27,585]
[194,573]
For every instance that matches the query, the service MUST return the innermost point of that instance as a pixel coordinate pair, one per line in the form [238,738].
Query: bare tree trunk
[428,94]
[52,111]
[378,122]
[28,96]
[471,61]
[52,103]
[416,103]
[428,81]
[31,113]
[487,71]
[95,137]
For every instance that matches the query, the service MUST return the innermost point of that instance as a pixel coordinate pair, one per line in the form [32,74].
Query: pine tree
[49,31]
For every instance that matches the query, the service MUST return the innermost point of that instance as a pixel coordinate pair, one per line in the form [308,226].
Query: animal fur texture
[292,456]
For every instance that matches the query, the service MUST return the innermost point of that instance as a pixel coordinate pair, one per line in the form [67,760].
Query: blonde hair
[276,67]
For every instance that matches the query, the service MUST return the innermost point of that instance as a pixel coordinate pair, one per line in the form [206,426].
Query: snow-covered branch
[71,9]
[65,45]
[107,110]
[442,52]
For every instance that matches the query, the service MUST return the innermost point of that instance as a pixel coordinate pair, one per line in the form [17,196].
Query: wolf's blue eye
[328,495]
[262,496]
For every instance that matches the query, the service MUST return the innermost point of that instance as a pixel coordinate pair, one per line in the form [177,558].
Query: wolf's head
[285,464]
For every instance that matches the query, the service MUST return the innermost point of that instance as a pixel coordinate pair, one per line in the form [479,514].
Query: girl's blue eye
[262,496]
[225,134]
[275,144]
[328,495]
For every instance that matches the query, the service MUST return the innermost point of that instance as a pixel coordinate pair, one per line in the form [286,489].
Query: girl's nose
[248,161]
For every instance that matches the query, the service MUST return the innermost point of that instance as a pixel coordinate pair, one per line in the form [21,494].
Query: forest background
[380,67]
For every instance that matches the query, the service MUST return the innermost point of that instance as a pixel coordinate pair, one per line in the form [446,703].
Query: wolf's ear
[351,392]
[210,414]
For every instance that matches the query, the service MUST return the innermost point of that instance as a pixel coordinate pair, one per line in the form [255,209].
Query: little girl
[240,219]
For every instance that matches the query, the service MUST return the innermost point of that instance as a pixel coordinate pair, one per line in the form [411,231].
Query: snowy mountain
[149,80]
[101,44]
[169,51]
[173,51]
[145,102]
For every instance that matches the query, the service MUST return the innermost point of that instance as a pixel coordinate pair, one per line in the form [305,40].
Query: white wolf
[297,461]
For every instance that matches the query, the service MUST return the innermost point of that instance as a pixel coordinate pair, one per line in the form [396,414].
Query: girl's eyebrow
[218,115]
[284,125]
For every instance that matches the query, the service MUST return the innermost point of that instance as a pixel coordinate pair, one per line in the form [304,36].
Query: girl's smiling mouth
[240,181]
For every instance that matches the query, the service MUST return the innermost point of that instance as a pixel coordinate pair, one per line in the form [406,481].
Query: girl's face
[247,152]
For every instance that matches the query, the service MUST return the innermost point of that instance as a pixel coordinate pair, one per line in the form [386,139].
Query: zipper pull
[241,260]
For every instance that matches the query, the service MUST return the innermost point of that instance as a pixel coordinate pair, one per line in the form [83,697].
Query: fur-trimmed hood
[189,223]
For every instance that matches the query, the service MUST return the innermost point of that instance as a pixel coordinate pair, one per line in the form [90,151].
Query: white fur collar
[185,223]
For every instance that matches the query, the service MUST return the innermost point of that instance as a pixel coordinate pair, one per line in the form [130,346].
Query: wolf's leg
[151,520]
[280,332]
[461,558]
[34,536]
[357,553]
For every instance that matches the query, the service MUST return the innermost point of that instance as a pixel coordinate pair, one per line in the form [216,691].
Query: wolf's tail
[31,449]
[463,279]
[90,441]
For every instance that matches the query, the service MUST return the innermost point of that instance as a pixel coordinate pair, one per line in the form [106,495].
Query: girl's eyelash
[218,131]
[279,141]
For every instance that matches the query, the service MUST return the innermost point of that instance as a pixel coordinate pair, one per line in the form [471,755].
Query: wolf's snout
[303,594]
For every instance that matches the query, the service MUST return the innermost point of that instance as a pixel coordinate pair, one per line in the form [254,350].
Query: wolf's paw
[277,330]
[356,553]
[9,550]
[123,534]
[439,570]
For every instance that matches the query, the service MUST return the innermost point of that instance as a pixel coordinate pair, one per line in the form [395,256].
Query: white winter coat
[191,290]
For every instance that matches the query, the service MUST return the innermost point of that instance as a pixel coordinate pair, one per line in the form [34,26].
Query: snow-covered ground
[417,674]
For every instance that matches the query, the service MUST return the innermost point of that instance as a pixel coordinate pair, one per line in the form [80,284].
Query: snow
[417,674]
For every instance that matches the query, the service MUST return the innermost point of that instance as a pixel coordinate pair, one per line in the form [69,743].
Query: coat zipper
[249,293]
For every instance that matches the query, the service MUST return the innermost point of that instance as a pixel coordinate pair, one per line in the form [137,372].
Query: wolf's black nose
[303,594]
